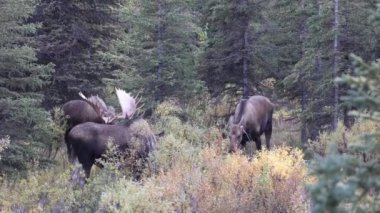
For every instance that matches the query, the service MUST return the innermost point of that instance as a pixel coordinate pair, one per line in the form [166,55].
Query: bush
[218,184]
[343,138]
[348,182]
[194,173]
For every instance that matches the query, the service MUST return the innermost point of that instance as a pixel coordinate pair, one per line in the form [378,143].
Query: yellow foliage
[282,162]
[218,183]
[167,107]
[343,137]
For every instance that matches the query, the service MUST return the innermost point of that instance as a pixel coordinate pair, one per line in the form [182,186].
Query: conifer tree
[77,36]
[234,56]
[314,71]
[161,47]
[22,81]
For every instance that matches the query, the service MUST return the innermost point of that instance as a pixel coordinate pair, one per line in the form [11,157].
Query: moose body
[252,118]
[77,112]
[93,109]
[90,140]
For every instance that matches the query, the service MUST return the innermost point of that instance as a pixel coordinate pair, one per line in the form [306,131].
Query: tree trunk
[245,66]
[160,49]
[304,92]
[244,50]
[318,76]
[336,65]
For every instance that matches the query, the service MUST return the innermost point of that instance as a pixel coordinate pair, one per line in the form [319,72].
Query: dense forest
[188,64]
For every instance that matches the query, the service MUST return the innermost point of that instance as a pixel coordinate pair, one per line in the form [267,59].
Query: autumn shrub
[181,141]
[342,138]
[193,172]
[4,143]
[272,181]
[54,191]
[349,181]
[285,128]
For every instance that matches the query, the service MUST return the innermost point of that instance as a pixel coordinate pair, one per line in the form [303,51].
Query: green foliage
[350,181]
[308,75]
[227,23]
[218,184]
[182,141]
[160,50]
[78,37]
[191,171]
[22,79]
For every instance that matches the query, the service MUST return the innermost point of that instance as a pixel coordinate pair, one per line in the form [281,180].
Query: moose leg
[268,131]
[258,143]
[70,151]
[244,141]
[87,170]
[87,163]
[268,135]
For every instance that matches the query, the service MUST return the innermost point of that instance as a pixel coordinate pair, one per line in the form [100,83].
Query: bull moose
[252,118]
[93,109]
[89,140]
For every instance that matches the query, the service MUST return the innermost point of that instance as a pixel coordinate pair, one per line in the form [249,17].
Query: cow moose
[252,118]
[93,109]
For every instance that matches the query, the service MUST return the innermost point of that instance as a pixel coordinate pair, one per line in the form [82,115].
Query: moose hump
[252,118]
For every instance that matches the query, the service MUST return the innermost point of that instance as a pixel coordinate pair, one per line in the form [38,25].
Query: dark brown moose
[90,140]
[252,118]
[93,109]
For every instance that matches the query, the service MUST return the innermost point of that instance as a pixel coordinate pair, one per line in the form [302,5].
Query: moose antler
[127,103]
[106,113]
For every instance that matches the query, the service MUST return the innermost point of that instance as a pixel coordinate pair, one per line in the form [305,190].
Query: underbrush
[345,140]
[346,168]
[192,172]
[270,182]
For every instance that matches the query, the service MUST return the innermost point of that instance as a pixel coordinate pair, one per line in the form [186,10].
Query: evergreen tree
[235,55]
[311,79]
[161,49]
[350,180]
[21,83]
[77,36]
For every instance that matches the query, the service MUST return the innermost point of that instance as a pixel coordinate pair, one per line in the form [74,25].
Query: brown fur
[77,112]
[252,118]
[89,140]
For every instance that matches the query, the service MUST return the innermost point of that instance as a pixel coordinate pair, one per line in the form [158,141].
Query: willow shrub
[192,172]
[350,181]
[342,138]
[270,182]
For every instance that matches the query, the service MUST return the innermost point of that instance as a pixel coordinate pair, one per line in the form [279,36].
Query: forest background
[191,61]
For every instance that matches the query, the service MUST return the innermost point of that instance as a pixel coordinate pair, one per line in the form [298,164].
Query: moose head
[107,113]
[94,109]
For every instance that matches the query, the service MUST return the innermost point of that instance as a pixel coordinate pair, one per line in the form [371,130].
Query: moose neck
[240,111]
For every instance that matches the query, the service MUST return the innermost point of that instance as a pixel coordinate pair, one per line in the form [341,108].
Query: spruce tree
[22,81]
[77,36]
[235,55]
[311,80]
[161,49]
